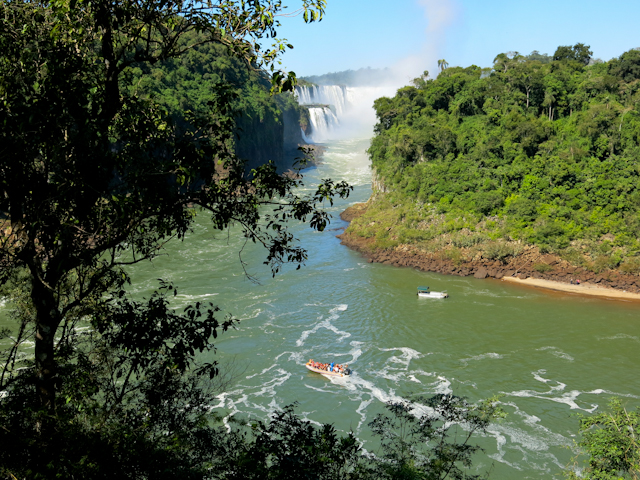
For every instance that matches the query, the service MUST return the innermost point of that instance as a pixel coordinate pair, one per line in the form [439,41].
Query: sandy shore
[530,268]
[582,289]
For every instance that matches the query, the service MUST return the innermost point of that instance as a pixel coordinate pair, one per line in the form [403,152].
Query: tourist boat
[425,292]
[345,373]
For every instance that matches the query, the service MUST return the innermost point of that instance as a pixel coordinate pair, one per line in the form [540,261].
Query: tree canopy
[538,150]
[94,166]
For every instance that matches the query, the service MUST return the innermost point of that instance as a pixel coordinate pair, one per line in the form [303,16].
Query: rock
[499,274]
[481,273]
[509,273]
[523,276]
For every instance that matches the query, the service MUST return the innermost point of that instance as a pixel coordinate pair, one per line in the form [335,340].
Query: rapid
[549,355]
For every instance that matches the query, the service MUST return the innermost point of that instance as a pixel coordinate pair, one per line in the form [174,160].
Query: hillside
[353,78]
[534,157]
[267,126]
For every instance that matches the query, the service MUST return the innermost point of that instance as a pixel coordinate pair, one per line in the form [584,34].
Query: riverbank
[587,289]
[530,267]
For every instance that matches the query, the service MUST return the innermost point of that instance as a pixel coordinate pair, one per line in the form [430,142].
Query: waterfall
[327,104]
[335,95]
[323,121]
[339,111]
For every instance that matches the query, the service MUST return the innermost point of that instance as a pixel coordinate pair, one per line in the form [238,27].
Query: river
[550,355]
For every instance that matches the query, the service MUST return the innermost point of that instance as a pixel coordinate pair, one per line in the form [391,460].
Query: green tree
[91,171]
[471,141]
[432,445]
[288,447]
[580,53]
[611,440]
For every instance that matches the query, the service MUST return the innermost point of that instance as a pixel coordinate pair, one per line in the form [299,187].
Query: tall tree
[442,65]
[610,438]
[90,170]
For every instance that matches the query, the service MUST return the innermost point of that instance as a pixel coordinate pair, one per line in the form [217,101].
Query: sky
[411,35]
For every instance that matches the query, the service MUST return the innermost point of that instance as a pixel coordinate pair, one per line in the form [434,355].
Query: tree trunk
[47,321]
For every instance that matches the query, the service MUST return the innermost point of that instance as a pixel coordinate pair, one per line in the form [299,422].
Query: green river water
[550,355]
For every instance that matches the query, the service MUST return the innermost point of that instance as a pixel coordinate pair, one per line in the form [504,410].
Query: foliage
[134,402]
[186,83]
[97,174]
[288,447]
[353,78]
[548,146]
[435,444]
[611,441]
[542,267]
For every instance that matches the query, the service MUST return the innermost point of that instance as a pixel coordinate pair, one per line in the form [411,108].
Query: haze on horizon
[412,35]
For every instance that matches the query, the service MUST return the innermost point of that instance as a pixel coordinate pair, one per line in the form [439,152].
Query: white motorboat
[425,292]
[324,369]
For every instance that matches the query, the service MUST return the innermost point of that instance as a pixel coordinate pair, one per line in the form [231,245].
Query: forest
[119,125]
[353,78]
[267,126]
[537,149]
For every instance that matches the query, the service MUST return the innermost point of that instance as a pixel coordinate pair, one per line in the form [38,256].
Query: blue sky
[415,33]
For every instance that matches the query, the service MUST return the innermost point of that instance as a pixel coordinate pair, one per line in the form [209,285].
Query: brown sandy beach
[521,270]
[587,289]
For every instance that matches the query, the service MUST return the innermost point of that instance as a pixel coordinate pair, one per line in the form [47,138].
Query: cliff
[519,164]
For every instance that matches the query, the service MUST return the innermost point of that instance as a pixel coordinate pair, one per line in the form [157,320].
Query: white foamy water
[340,112]
[548,356]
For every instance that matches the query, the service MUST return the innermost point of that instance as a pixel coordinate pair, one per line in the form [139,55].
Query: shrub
[542,267]
[604,262]
[467,241]
[488,202]
[500,251]
[631,266]
[455,255]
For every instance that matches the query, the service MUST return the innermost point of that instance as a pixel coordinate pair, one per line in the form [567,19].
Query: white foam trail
[533,445]
[326,324]
[621,336]
[568,398]
[483,356]
[265,370]
[557,353]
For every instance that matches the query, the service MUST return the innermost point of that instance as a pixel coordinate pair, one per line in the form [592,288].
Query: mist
[352,114]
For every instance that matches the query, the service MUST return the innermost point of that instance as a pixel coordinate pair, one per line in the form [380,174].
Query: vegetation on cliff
[266,126]
[353,78]
[537,149]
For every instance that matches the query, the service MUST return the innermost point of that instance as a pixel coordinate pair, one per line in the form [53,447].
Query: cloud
[439,16]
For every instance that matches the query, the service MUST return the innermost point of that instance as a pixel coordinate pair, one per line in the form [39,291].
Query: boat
[345,373]
[425,292]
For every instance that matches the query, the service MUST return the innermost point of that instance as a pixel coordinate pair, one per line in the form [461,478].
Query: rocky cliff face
[270,139]
[529,263]
[377,185]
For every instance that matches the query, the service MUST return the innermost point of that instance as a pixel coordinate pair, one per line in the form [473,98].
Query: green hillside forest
[537,150]
[267,126]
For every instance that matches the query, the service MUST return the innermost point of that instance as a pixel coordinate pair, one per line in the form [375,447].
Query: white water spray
[338,112]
